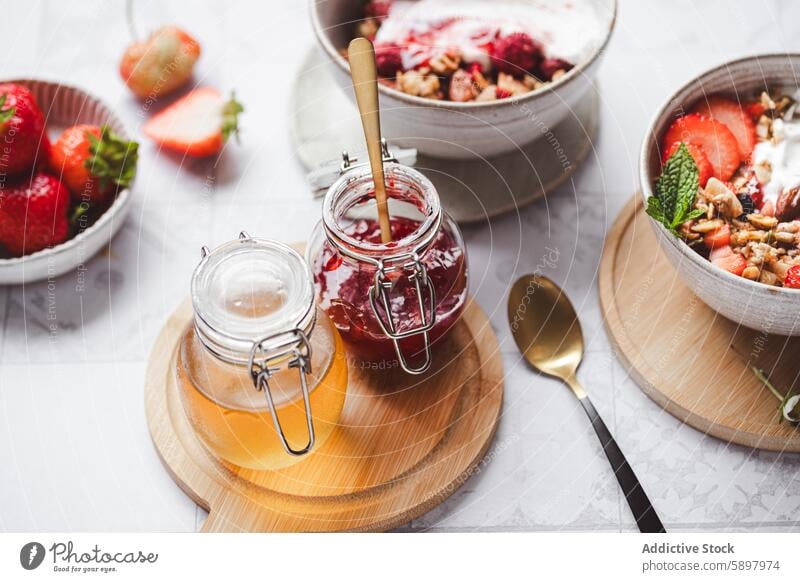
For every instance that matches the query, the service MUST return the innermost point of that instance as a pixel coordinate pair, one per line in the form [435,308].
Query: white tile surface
[73,438]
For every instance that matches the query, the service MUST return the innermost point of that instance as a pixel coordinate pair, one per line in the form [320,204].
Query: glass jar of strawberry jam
[392,301]
[262,372]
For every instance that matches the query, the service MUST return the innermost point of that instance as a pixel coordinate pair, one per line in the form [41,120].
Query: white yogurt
[783,157]
[569,29]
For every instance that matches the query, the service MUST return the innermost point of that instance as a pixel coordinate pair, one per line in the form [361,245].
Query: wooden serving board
[690,360]
[403,445]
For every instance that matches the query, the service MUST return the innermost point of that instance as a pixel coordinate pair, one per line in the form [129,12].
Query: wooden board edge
[638,370]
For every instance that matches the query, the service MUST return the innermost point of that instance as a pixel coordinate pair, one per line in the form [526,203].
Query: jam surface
[343,287]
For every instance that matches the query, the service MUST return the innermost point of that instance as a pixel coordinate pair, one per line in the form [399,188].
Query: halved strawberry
[718,238]
[734,263]
[704,169]
[717,141]
[197,124]
[737,120]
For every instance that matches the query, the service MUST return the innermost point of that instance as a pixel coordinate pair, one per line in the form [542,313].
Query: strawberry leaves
[6,114]
[675,192]
[111,158]
[230,118]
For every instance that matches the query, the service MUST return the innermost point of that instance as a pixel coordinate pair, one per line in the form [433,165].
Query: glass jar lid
[247,290]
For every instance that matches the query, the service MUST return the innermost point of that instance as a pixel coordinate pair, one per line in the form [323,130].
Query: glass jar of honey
[262,372]
[391,301]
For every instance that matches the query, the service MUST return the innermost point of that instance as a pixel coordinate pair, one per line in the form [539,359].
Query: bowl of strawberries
[66,170]
[720,179]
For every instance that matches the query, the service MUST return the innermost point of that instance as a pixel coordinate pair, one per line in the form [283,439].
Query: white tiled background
[74,448]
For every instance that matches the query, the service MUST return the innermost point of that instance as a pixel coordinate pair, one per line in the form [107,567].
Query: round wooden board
[403,444]
[690,360]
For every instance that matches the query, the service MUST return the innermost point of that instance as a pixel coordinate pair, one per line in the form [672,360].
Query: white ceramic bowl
[64,106]
[458,130]
[754,305]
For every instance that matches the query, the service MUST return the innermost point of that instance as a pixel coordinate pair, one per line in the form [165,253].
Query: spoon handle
[643,512]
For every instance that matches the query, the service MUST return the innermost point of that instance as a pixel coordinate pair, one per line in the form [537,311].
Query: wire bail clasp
[381,287]
[296,347]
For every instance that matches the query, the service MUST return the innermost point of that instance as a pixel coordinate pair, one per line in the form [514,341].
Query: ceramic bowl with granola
[473,77]
[720,173]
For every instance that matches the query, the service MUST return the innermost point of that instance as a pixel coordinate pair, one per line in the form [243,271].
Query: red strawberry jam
[343,287]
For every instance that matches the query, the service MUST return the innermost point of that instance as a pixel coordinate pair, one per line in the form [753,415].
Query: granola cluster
[517,64]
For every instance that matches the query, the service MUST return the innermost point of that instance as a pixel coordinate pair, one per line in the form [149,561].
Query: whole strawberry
[161,64]
[93,162]
[22,130]
[33,214]
[516,53]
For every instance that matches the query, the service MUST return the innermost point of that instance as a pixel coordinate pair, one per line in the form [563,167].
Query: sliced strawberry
[792,279]
[734,263]
[198,124]
[718,238]
[717,141]
[755,110]
[704,169]
[720,253]
[737,120]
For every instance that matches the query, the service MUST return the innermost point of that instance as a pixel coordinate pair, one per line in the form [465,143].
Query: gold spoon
[548,333]
[361,55]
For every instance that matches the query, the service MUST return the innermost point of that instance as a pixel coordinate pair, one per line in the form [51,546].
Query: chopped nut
[785,237]
[532,82]
[761,221]
[707,225]
[415,83]
[763,172]
[480,81]
[488,94]
[367,28]
[509,83]
[558,74]
[768,277]
[724,199]
[788,205]
[751,273]
[461,87]
[445,63]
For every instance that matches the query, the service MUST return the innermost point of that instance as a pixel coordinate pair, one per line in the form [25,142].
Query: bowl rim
[667,108]
[121,200]
[548,89]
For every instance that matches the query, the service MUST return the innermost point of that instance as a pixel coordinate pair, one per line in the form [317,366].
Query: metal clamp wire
[261,373]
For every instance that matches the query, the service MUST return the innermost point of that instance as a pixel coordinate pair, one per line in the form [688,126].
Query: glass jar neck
[252,295]
[412,198]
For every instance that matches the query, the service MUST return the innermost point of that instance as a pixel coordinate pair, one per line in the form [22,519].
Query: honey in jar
[262,371]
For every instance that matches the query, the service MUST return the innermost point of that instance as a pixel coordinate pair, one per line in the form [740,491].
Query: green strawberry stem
[6,114]
[112,159]
[230,118]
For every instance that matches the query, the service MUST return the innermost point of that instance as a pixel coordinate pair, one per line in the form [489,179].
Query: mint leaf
[675,191]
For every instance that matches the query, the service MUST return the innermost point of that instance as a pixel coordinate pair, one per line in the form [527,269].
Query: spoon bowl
[545,327]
